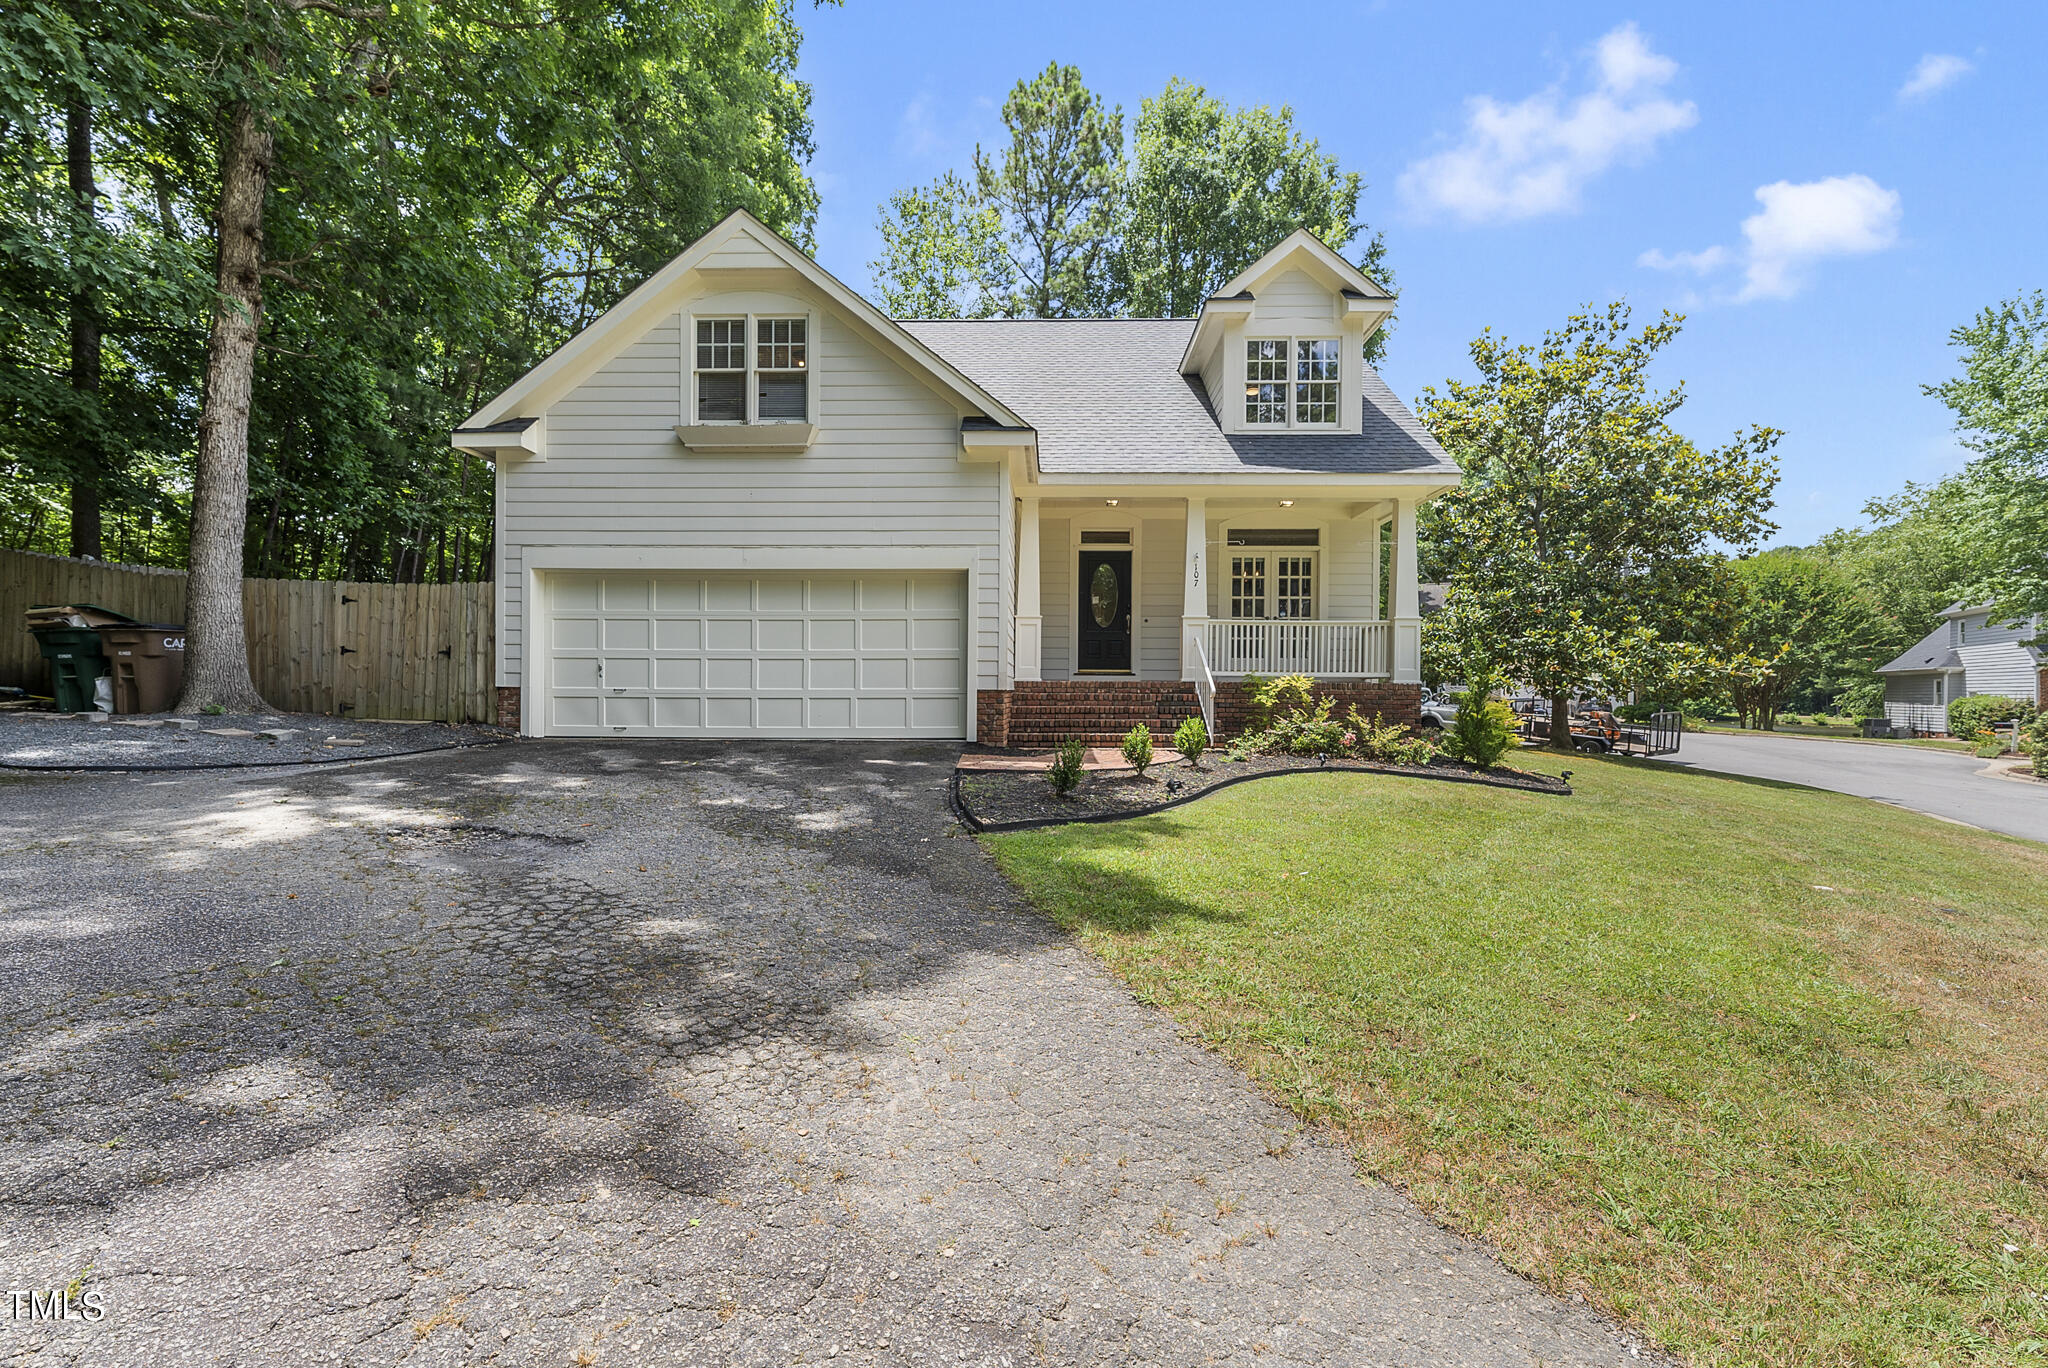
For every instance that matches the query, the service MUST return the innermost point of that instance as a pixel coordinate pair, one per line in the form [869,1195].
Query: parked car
[1439,709]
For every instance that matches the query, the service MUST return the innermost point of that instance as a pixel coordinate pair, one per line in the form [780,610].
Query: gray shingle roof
[1107,397]
[1931,652]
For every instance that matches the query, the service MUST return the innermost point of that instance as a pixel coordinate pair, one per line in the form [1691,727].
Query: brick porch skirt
[1039,713]
[1400,703]
[508,706]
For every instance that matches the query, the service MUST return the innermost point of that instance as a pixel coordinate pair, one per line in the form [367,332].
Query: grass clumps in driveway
[1762,1070]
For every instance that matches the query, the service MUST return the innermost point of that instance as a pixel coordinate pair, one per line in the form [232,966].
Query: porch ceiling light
[1110,502]
[1287,503]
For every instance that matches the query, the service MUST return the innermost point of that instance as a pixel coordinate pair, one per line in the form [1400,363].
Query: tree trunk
[1561,723]
[217,650]
[88,459]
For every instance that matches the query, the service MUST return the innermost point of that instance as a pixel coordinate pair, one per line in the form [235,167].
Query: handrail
[1205,688]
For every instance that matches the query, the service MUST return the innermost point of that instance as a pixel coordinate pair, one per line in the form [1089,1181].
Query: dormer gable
[1280,347]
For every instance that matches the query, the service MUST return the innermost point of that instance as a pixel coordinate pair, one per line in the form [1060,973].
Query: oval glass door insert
[1102,594]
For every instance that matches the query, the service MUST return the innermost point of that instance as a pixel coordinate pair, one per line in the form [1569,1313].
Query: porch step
[1044,713]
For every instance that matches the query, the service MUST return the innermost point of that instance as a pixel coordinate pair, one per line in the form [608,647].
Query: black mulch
[42,741]
[1011,800]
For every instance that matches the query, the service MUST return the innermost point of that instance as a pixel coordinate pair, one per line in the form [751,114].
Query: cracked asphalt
[643,1053]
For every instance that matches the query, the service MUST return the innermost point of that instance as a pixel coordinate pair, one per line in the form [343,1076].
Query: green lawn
[1762,1070]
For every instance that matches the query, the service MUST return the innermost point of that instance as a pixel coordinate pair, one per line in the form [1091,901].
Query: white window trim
[1344,381]
[748,384]
[1225,552]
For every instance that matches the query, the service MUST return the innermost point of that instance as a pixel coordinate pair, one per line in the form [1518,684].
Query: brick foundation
[1395,702]
[992,716]
[508,707]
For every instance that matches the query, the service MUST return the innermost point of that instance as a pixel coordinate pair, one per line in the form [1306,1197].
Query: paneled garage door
[875,655]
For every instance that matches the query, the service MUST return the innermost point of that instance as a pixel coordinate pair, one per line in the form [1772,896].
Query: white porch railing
[1926,717]
[1205,685]
[1326,648]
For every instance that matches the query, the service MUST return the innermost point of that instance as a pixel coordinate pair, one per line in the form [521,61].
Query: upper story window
[721,370]
[779,371]
[1292,382]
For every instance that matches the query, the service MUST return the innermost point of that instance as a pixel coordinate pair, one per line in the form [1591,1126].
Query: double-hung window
[1292,381]
[768,382]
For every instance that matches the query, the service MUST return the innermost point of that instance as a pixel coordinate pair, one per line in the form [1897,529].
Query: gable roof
[1351,280]
[576,359]
[1932,652]
[1107,397]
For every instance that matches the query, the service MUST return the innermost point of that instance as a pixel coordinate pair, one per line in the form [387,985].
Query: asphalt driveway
[641,1054]
[1940,783]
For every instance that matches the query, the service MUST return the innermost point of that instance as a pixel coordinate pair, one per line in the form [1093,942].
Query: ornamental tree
[1585,545]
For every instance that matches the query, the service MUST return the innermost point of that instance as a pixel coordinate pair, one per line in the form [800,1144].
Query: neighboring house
[746,503]
[1970,652]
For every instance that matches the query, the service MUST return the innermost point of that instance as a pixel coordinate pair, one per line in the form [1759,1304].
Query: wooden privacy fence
[419,651]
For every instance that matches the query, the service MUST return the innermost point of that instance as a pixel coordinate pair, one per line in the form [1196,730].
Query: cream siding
[1350,585]
[884,472]
[1293,303]
[1155,653]
[1055,595]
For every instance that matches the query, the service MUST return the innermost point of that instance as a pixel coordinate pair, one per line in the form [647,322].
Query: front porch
[1135,608]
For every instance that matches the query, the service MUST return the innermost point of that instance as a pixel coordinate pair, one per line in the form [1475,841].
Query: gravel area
[646,1053]
[1010,799]
[57,741]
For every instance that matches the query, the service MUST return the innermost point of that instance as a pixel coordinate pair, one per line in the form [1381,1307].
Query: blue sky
[1824,190]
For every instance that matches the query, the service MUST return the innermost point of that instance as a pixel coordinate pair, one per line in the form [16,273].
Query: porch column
[1404,604]
[1030,625]
[1194,599]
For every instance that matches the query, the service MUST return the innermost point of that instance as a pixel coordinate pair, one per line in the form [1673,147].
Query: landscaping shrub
[1283,697]
[2037,743]
[1065,774]
[1389,743]
[1484,726]
[1191,738]
[1138,748]
[1979,714]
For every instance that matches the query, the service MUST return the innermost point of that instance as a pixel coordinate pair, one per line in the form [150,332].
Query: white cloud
[918,133]
[1523,160]
[1936,71]
[1799,224]
[1702,262]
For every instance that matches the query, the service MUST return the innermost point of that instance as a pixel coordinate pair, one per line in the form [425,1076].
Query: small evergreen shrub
[1138,748]
[1483,728]
[1191,738]
[1980,714]
[2037,743]
[1389,743]
[1065,774]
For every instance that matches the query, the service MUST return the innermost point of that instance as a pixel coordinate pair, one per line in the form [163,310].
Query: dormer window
[1292,381]
[775,388]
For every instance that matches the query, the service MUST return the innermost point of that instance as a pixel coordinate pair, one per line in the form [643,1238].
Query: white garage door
[876,655]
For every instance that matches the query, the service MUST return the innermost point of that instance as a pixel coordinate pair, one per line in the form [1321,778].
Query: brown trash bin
[147,661]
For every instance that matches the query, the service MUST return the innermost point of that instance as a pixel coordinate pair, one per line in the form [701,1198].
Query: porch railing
[1924,717]
[1328,648]
[1205,685]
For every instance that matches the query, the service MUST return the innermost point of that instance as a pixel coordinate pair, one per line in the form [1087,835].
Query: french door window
[1272,585]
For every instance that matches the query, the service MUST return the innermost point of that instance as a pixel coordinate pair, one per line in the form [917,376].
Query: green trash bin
[75,663]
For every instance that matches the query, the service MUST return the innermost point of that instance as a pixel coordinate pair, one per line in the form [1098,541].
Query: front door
[1105,611]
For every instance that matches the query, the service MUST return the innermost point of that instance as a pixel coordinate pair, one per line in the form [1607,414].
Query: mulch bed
[45,741]
[1014,800]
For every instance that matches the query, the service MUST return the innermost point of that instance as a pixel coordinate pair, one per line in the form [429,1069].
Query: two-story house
[1971,651]
[744,502]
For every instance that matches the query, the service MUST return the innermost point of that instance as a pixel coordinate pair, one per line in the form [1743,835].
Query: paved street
[1941,783]
[638,1054]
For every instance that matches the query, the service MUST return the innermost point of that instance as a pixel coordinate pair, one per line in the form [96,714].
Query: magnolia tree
[1585,547]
